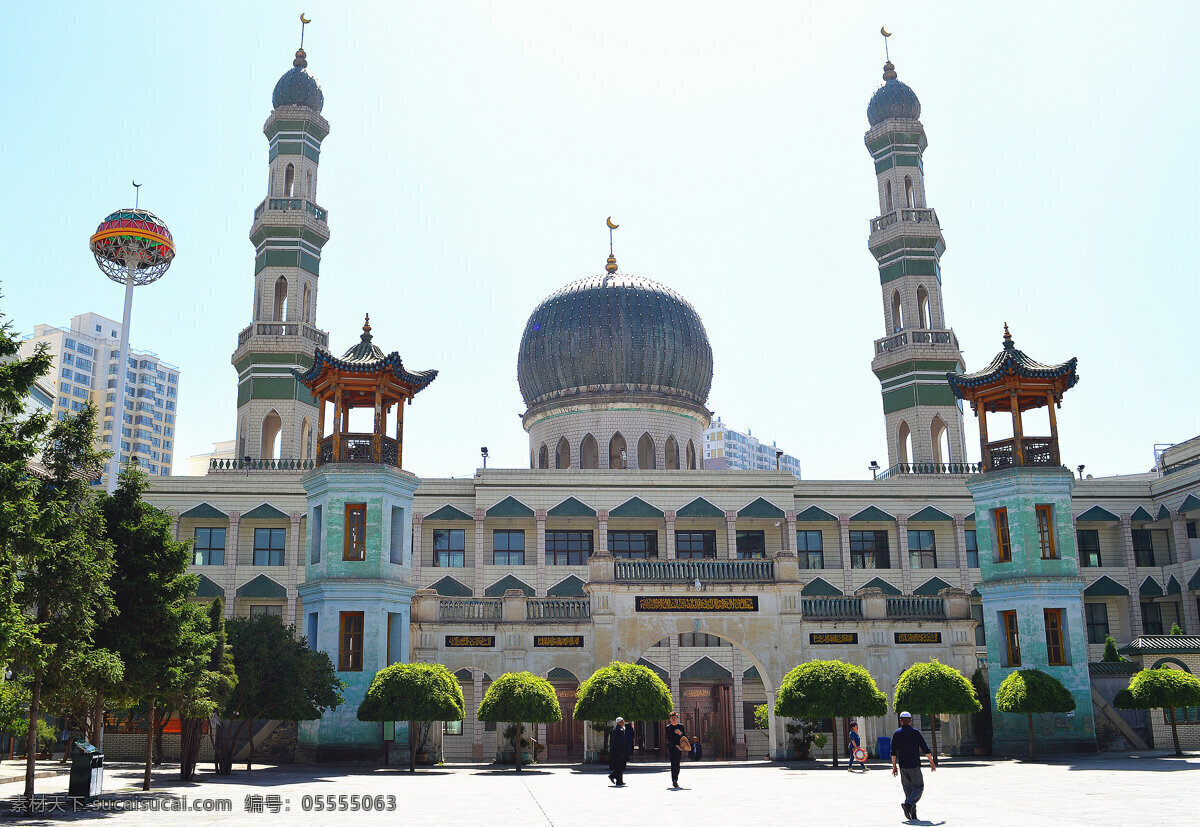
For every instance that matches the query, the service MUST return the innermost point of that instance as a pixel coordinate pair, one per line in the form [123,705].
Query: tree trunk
[250,744]
[518,754]
[150,720]
[97,732]
[223,748]
[35,699]
[412,746]
[159,726]
[833,723]
[933,733]
[1174,730]
[1030,714]
[190,732]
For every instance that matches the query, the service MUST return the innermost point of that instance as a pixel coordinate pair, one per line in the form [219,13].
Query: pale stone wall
[575,422]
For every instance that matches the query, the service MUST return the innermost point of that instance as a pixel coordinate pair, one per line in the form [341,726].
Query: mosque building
[616,544]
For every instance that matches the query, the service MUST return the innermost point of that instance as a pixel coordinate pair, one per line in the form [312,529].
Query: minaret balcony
[905,216]
[312,334]
[317,213]
[916,337]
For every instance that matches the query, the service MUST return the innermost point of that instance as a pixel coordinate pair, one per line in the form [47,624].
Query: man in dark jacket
[674,734]
[620,747]
[908,745]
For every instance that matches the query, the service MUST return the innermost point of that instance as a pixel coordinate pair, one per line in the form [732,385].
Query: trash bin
[87,772]
[884,745]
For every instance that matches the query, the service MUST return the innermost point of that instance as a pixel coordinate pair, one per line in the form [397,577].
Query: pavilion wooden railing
[372,448]
[1038,451]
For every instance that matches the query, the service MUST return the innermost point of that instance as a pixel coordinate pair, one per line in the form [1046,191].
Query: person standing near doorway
[908,744]
[620,747]
[855,744]
[675,735]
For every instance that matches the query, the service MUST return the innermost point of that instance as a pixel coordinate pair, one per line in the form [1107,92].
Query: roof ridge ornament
[1008,339]
[366,334]
[300,62]
[611,266]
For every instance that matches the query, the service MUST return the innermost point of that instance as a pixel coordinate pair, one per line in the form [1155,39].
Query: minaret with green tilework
[924,420]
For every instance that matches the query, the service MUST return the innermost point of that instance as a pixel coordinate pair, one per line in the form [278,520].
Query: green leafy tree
[829,689]
[413,692]
[517,697]
[1110,651]
[934,688]
[65,564]
[628,690]
[160,634]
[1032,691]
[983,718]
[1175,630]
[278,678]
[14,707]
[1162,688]
[762,717]
[205,693]
[76,695]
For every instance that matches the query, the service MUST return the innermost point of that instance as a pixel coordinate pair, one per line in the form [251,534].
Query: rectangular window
[751,545]
[449,547]
[350,642]
[314,543]
[1002,541]
[452,727]
[695,545]
[266,609]
[869,550]
[1097,621]
[508,547]
[633,545]
[810,549]
[1152,622]
[971,539]
[980,634]
[1151,547]
[209,548]
[312,630]
[397,538]
[921,551]
[1056,653]
[568,548]
[1012,641]
[268,546]
[1088,542]
[1191,529]
[700,639]
[355,546]
[1045,528]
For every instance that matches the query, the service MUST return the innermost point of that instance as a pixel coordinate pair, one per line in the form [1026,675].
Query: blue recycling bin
[884,746]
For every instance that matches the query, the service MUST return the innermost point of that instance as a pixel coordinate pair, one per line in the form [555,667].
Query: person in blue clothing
[908,744]
[855,742]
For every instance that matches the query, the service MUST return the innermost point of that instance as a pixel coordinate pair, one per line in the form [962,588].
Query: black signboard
[918,637]
[832,638]
[469,641]
[697,604]
[558,641]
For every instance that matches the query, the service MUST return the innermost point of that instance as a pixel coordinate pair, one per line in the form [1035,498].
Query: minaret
[277,417]
[924,420]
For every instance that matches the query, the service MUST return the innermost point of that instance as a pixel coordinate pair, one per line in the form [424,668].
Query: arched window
[272,428]
[257,301]
[589,453]
[646,454]
[691,456]
[562,454]
[307,304]
[279,310]
[923,320]
[903,443]
[940,436]
[241,439]
[909,195]
[305,439]
[543,457]
[616,451]
[289,182]
[887,189]
[672,463]
[308,193]
[897,312]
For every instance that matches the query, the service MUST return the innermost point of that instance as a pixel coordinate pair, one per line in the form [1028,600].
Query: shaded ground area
[1146,789]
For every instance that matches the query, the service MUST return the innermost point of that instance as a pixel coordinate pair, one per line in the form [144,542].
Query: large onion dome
[297,87]
[893,100]
[614,334]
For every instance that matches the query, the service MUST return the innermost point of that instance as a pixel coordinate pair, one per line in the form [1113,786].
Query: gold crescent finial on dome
[611,266]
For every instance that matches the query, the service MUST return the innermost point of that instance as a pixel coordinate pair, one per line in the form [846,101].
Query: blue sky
[476,149]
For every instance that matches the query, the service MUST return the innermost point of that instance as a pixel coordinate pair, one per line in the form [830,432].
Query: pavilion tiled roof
[366,357]
[1162,645]
[1011,361]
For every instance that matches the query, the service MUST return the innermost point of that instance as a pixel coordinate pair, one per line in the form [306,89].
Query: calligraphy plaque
[558,641]
[918,637]
[831,638]
[469,641]
[697,604]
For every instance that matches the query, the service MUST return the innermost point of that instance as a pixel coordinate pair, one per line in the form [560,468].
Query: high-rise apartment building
[86,356]
[728,450]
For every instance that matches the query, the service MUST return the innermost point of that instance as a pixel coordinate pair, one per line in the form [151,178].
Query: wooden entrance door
[706,715]
[564,739]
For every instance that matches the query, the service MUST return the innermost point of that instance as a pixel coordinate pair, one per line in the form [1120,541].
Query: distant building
[85,366]
[728,450]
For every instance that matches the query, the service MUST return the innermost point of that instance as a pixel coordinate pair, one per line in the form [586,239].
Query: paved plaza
[1110,789]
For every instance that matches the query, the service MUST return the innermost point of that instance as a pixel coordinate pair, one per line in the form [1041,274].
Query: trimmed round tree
[1029,691]
[829,689]
[1162,688]
[933,688]
[517,697]
[413,692]
[628,690]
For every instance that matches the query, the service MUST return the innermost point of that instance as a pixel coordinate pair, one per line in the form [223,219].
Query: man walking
[620,746]
[675,734]
[908,744]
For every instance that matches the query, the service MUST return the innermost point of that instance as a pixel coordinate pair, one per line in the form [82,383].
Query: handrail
[905,215]
[917,336]
[292,204]
[470,608]
[916,607]
[831,608]
[558,608]
[690,570]
[929,468]
[304,329]
[286,464]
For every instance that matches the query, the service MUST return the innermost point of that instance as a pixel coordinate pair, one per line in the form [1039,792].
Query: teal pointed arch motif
[699,508]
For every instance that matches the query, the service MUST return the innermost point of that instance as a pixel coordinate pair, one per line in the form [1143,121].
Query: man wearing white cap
[908,745]
[620,747]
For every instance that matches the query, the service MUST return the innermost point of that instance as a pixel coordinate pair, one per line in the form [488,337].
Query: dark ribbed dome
[297,87]
[611,334]
[893,100]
